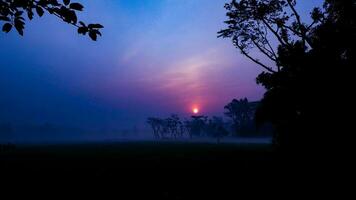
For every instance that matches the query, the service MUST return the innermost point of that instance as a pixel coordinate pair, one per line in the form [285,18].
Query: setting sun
[195,110]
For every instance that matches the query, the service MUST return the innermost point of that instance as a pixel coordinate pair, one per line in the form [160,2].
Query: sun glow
[195,110]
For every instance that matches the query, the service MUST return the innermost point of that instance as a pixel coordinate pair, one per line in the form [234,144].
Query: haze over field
[155,58]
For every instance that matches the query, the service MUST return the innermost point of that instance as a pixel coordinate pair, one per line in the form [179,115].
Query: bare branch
[310,26]
[283,42]
[297,16]
[263,50]
[303,33]
[255,60]
[265,39]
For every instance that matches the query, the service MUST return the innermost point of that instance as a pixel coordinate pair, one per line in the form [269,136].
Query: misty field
[101,159]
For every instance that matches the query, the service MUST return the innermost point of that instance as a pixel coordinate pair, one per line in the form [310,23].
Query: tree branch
[303,33]
[255,60]
[276,34]
[264,37]
[263,50]
[310,26]
[54,13]
[297,16]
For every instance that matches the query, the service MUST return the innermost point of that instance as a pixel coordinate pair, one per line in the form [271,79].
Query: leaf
[95,26]
[82,23]
[82,30]
[66,2]
[76,6]
[97,32]
[30,14]
[19,25]
[7,27]
[73,16]
[39,11]
[93,35]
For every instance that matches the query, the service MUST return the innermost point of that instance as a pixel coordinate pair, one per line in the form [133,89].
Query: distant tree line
[240,114]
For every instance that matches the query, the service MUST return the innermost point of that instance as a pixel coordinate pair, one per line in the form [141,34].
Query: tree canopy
[14,12]
[311,62]
[252,24]
[241,112]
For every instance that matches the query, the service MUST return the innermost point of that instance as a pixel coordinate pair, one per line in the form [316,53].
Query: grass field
[112,159]
[140,154]
[148,169]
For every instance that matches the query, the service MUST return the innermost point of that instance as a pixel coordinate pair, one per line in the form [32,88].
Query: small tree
[196,126]
[173,125]
[241,113]
[169,127]
[215,128]
[155,125]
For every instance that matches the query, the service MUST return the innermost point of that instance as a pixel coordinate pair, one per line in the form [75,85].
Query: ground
[107,157]
[164,170]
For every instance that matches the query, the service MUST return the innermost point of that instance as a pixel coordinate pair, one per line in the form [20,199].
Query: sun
[195,110]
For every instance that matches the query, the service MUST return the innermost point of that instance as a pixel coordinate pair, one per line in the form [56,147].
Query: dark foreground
[114,159]
[158,170]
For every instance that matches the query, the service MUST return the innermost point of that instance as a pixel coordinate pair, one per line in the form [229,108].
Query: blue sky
[156,57]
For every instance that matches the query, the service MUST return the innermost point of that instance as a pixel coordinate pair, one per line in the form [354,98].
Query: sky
[156,57]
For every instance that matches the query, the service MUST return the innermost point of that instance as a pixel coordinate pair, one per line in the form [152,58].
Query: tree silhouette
[171,126]
[13,12]
[155,125]
[252,22]
[241,113]
[215,128]
[196,126]
[306,58]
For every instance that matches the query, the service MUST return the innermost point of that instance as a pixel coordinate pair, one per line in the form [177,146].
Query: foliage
[172,126]
[252,23]
[198,126]
[213,127]
[306,58]
[241,112]
[13,13]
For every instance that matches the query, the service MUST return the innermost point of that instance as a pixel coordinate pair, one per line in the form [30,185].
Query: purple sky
[156,57]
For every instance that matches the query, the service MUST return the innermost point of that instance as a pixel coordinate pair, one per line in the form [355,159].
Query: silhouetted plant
[241,112]
[13,12]
[306,58]
[215,128]
[252,22]
[155,125]
[171,126]
[196,126]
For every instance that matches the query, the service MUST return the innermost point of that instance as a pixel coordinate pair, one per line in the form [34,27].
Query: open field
[136,155]
[117,159]
[163,170]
